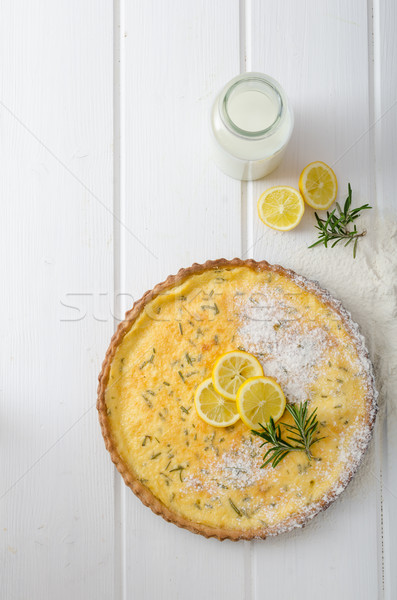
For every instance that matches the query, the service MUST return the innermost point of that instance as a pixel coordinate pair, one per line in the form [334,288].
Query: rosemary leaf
[234,507]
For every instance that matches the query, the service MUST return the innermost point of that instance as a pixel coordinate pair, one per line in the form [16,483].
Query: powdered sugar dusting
[290,349]
[366,369]
[237,468]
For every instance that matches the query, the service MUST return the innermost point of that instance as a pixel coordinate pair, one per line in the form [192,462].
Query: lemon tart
[210,479]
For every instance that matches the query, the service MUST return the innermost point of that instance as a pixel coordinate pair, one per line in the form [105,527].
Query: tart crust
[130,478]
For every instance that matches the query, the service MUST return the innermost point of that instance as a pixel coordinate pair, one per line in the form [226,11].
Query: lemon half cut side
[281,208]
[318,185]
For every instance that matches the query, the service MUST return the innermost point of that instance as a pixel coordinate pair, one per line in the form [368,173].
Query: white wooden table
[106,188]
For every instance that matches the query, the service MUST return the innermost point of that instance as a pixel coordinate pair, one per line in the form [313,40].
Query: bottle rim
[262,80]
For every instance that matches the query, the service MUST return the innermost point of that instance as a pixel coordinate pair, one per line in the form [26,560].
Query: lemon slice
[213,408]
[232,369]
[318,185]
[281,208]
[258,399]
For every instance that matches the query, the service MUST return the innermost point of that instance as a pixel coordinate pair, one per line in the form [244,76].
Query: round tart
[210,480]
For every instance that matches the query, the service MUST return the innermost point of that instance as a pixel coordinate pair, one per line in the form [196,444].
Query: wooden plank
[385,137]
[177,55]
[319,53]
[56,187]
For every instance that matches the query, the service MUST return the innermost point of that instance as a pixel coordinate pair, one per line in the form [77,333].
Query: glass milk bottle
[251,126]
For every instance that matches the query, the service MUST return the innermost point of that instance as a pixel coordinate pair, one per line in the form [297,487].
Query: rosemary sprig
[335,227]
[303,434]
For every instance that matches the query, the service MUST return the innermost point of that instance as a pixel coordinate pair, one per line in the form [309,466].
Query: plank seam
[374,117]
[246,231]
[243,69]
[246,186]
[118,267]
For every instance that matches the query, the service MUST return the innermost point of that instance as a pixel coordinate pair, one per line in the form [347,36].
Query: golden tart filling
[210,479]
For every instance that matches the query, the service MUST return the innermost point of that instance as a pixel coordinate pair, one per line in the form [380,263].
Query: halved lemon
[281,208]
[232,369]
[258,399]
[318,185]
[213,408]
